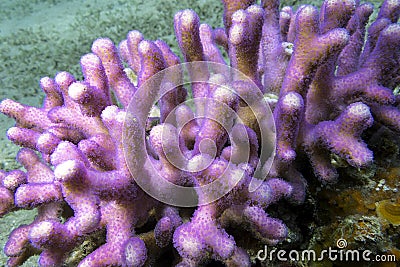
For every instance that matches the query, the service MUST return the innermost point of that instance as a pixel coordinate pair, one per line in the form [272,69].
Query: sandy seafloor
[41,38]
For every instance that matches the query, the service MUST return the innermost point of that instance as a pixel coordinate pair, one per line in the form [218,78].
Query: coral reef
[149,161]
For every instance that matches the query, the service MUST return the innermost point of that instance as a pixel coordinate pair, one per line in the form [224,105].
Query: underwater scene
[200,133]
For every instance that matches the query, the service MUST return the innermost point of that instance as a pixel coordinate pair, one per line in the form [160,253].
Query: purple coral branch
[98,161]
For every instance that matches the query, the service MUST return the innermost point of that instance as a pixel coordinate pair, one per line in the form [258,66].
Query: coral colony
[163,158]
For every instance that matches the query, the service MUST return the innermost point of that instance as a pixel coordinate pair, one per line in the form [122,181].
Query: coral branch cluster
[92,150]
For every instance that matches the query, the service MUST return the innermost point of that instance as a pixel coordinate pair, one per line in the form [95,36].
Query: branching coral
[109,161]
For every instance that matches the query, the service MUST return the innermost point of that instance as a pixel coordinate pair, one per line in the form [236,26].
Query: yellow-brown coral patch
[389,210]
